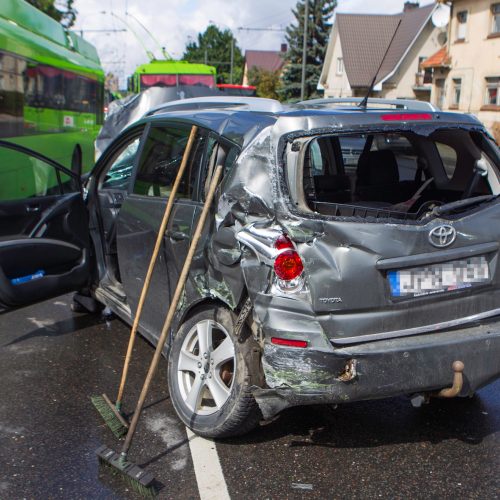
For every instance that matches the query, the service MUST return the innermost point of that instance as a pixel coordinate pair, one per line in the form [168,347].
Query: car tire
[210,381]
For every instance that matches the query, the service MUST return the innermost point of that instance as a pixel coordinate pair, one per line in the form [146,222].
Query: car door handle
[177,235]
[33,208]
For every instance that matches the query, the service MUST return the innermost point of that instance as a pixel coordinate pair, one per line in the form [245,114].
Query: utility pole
[304,51]
[232,59]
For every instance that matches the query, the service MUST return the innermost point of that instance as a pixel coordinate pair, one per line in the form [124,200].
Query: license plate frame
[444,277]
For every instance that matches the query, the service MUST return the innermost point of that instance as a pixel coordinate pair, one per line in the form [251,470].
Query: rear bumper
[379,369]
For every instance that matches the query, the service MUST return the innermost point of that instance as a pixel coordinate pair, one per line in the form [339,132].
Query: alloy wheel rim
[206,367]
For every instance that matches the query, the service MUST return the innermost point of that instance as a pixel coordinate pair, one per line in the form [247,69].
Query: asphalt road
[52,361]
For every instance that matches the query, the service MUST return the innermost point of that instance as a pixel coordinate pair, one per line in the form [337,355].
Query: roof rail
[214,102]
[397,103]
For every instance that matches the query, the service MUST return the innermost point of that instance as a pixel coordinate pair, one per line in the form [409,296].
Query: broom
[142,481]
[111,413]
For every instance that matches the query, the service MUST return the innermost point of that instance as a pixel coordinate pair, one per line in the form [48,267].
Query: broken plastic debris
[302,486]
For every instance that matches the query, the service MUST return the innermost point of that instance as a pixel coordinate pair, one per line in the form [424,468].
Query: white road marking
[209,476]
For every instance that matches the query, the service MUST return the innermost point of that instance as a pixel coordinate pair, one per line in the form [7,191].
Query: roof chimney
[410,6]
[284,47]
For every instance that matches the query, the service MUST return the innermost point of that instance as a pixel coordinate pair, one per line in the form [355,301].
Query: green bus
[171,73]
[51,91]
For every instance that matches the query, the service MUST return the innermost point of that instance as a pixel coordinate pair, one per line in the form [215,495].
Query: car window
[24,176]
[161,158]
[448,157]
[117,175]
[403,151]
[351,148]
[214,149]
[316,159]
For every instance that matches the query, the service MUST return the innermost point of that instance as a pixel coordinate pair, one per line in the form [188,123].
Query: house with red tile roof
[357,46]
[269,60]
[466,71]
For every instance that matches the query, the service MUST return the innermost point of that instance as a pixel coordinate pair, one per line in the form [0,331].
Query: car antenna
[364,102]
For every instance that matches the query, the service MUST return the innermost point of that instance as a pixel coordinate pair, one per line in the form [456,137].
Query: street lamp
[232,48]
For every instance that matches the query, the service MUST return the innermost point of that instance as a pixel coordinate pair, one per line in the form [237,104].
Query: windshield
[398,174]
[148,81]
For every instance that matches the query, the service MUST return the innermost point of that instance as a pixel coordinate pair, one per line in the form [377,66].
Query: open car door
[44,236]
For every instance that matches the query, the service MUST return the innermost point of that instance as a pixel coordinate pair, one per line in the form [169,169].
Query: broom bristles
[109,416]
[141,481]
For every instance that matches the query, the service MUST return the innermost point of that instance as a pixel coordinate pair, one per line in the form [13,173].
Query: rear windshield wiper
[460,204]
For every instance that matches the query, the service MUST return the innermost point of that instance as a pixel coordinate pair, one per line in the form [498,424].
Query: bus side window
[23,176]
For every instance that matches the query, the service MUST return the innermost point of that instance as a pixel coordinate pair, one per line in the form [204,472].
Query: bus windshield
[166,80]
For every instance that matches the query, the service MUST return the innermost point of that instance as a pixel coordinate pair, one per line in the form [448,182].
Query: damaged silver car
[352,252]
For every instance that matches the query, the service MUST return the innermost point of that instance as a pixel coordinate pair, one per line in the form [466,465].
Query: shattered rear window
[398,174]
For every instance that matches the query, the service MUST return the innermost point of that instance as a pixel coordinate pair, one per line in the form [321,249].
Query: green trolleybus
[51,93]
[171,73]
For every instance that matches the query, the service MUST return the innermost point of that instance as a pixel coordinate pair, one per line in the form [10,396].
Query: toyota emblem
[442,236]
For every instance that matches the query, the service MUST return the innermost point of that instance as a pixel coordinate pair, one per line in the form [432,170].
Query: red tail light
[288,264]
[289,342]
[282,242]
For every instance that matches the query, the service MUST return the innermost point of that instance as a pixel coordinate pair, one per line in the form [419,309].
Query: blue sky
[173,21]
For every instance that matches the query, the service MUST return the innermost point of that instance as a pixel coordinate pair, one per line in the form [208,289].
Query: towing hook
[458,382]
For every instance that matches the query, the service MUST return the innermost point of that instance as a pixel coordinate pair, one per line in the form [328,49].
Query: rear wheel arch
[193,308]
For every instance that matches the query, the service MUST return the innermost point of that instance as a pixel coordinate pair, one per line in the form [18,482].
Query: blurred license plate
[444,277]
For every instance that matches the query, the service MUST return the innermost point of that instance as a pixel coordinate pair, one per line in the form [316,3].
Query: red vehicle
[241,90]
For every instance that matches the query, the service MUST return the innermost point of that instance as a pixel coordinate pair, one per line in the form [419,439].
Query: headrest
[379,169]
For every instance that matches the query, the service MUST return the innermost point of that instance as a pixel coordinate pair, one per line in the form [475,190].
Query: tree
[60,10]
[318,31]
[214,47]
[268,83]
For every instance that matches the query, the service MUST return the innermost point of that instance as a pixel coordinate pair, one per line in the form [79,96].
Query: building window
[493,91]
[340,66]
[462,24]
[495,26]
[457,90]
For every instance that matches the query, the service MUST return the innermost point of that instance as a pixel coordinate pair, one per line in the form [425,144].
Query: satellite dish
[441,16]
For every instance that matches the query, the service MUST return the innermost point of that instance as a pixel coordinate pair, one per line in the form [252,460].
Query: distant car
[237,90]
[351,253]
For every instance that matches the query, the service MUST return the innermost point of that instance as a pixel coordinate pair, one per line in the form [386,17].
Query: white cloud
[173,21]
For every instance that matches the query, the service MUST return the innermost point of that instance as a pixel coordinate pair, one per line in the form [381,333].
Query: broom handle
[171,310]
[152,262]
